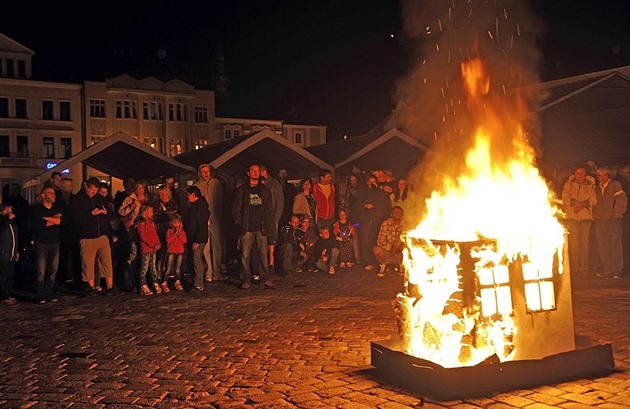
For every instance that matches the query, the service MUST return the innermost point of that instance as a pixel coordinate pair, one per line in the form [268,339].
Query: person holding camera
[389,244]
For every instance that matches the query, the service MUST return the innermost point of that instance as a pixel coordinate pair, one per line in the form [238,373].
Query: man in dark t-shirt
[253,216]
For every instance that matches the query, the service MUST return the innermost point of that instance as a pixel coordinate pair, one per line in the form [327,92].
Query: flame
[501,209]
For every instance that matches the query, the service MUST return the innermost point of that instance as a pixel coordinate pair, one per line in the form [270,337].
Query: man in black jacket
[253,214]
[90,214]
[46,219]
[290,244]
[196,227]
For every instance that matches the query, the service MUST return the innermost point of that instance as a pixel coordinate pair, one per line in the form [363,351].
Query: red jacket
[149,240]
[325,205]
[175,241]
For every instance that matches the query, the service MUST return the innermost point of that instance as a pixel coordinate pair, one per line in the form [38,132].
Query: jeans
[247,242]
[174,261]
[148,264]
[47,262]
[198,265]
[332,260]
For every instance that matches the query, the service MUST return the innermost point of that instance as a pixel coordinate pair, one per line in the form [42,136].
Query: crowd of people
[144,239]
[594,208]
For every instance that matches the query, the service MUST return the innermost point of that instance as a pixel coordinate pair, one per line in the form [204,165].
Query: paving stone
[302,347]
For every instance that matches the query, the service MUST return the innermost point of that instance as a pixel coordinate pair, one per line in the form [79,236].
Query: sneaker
[53,299]
[178,286]
[298,270]
[196,288]
[245,285]
[156,288]
[165,288]
[144,290]
[331,271]
[342,265]
[41,301]
[255,278]
[9,301]
[207,279]
[269,284]
[90,292]
[381,271]
[349,264]
[370,267]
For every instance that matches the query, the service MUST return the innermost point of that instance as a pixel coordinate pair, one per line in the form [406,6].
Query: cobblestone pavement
[303,345]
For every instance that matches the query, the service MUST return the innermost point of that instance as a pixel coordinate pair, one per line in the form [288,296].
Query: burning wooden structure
[502,327]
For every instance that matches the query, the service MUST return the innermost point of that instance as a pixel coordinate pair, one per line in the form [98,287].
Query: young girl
[175,241]
[149,245]
[344,232]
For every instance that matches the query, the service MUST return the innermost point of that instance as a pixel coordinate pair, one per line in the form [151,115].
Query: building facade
[302,135]
[40,122]
[44,123]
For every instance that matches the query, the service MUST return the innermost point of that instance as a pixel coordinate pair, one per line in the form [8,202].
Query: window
[4,146]
[4,107]
[10,68]
[22,146]
[152,111]
[236,132]
[96,139]
[21,110]
[66,147]
[21,68]
[64,111]
[298,138]
[201,143]
[227,133]
[177,112]
[48,147]
[539,289]
[47,110]
[126,109]
[176,147]
[154,142]
[495,292]
[201,115]
[97,108]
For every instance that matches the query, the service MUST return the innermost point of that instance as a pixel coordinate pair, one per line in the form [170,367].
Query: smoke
[431,102]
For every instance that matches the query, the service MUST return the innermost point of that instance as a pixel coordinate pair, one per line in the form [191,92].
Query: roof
[10,45]
[391,149]
[264,147]
[121,156]
[587,119]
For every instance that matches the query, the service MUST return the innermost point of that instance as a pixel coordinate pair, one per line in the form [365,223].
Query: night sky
[324,62]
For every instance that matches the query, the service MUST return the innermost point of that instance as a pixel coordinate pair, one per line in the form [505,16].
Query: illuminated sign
[51,165]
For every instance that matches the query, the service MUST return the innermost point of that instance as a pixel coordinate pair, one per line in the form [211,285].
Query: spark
[490,35]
